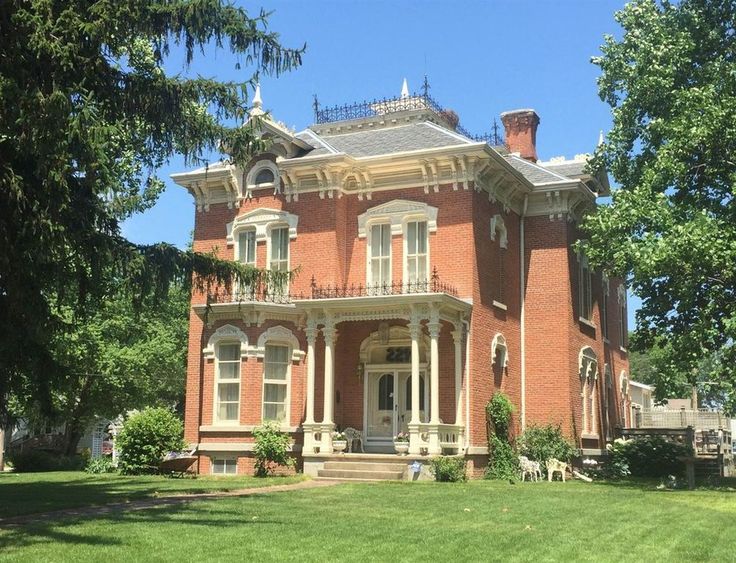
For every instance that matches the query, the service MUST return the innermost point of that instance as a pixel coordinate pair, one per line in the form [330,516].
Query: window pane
[386,392]
[265,176]
[277,354]
[229,352]
[247,247]
[385,240]
[411,245]
[284,244]
[274,412]
[229,391]
[229,370]
[228,411]
[274,393]
[422,237]
[376,240]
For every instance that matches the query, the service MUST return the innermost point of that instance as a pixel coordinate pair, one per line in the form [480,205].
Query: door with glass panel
[279,260]
[380,259]
[380,415]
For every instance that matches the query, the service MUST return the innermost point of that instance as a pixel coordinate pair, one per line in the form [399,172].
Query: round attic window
[264,176]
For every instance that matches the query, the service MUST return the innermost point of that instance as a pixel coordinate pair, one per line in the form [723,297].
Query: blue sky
[481,58]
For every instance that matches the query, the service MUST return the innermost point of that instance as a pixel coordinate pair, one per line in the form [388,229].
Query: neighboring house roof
[403,138]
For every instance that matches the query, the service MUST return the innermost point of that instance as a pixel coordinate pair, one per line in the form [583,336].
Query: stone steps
[362,471]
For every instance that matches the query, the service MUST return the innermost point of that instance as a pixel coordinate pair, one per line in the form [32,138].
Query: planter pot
[338,446]
[402,448]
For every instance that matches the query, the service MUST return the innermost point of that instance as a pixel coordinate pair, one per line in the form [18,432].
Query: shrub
[541,443]
[146,437]
[41,460]
[449,469]
[649,456]
[102,464]
[271,450]
[502,461]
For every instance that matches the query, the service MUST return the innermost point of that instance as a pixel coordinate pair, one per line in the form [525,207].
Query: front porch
[397,368]
[368,467]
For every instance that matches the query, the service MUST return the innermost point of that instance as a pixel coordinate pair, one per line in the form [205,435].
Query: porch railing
[267,293]
[682,418]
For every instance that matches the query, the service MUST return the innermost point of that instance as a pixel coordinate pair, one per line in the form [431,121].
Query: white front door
[388,404]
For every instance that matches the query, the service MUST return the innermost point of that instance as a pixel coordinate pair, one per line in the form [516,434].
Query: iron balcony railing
[267,293]
[359,110]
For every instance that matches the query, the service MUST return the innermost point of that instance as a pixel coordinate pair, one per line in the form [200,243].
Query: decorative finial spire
[257,108]
[600,138]
[425,86]
[404,90]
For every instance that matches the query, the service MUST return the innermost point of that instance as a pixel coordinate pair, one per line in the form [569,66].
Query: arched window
[264,176]
[499,234]
[588,366]
[585,289]
[279,348]
[499,351]
[622,314]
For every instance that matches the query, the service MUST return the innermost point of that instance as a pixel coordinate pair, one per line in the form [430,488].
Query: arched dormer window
[279,348]
[588,370]
[264,174]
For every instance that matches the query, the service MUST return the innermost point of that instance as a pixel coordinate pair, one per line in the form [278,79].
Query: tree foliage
[671,229]
[88,115]
[145,439]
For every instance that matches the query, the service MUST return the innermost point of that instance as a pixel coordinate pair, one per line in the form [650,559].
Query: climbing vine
[502,462]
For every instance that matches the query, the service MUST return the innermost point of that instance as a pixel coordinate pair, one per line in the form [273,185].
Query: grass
[28,493]
[488,521]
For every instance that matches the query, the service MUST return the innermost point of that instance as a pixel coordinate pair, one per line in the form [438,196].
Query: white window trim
[216,391]
[405,246]
[262,220]
[226,333]
[499,342]
[272,227]
[368,254]
[396,212]
[499,226]
[236,244]
[588,371]
[250,178]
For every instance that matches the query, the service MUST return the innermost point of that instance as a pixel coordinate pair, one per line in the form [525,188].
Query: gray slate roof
[533,172]
[571,169]
[416,136]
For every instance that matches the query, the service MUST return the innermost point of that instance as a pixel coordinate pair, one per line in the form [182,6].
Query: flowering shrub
[338,436]
[401,437]
[272,449]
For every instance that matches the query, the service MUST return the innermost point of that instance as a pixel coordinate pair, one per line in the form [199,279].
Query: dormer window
[265,176]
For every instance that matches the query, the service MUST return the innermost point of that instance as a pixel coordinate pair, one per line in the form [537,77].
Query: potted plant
[339,443]
[401,443]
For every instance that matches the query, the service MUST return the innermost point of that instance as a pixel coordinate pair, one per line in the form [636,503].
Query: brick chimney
[520,127]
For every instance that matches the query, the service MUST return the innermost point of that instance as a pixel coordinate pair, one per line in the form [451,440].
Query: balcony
[266,293]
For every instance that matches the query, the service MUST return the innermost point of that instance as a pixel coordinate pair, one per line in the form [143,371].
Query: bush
[146,437]
[271,450]
[541,443]
[502,460]
[449,469]
[100,465]
[40,460]
[649,457]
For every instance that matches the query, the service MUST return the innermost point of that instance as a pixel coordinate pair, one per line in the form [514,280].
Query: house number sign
[399,355]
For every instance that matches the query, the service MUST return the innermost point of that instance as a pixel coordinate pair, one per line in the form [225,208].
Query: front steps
[361,470]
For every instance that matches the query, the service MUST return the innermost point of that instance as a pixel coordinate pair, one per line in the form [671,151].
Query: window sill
[590,436]
[500,305]
[586,322]
[624,350]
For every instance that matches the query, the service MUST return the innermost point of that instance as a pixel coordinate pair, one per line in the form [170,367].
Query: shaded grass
[476,521]
[28,493]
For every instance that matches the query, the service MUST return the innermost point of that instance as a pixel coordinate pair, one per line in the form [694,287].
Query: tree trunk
[2,448]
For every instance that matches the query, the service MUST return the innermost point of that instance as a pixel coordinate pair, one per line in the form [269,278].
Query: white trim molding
[258,167]
[278,335]
[226,333]
[499,343]
[397,213]
[262,220]
[588,363]
[499,226]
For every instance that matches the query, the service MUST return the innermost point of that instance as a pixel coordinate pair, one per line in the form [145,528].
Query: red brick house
[433,270]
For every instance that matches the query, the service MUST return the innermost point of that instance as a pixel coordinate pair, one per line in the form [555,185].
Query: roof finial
[425,86]
[404,90]
[257,108]
[600,138]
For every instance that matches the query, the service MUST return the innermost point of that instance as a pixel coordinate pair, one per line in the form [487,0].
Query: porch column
[328,424]
[434,327]
[311,332]
[414,442]
[309,425]
[457,336]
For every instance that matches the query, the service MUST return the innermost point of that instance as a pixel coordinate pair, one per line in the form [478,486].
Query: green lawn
[27,493]
[478,521]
